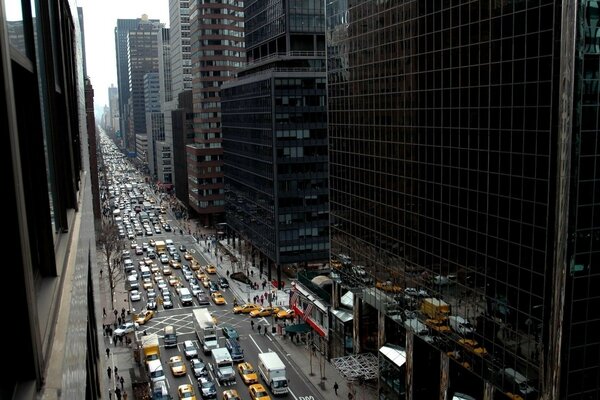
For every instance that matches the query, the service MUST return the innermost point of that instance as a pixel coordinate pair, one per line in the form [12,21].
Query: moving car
[210,269]
[230,333]
[258,392]
[189,349]
[264,312]
[207,388]
[218,298]
[124,329]
[247,373]
[198,367]
[144,317]
[223,283]
[186,392]
[286,313]
[177,366]
[245,308]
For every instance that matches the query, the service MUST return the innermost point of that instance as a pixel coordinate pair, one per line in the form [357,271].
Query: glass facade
[446,149]
[277,180]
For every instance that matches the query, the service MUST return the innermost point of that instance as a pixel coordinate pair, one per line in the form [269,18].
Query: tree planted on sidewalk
[110,244]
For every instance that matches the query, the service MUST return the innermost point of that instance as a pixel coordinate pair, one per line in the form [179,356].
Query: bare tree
[110,244]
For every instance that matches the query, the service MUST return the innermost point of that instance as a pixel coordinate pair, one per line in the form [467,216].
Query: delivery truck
[272,370]
[206,330]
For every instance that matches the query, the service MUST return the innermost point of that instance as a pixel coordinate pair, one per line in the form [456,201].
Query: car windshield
[248,371]
[261,393]
[279,384]
[207,384]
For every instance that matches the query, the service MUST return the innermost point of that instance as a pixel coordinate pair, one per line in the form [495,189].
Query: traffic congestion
[184,325]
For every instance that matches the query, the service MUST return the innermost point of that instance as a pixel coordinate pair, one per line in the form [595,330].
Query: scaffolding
[358,367]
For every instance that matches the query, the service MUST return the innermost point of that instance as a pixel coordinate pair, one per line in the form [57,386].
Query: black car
[223,283]
[207,388]
[203,299]
[213,287]
[198,367]
[182,248]
[151,305]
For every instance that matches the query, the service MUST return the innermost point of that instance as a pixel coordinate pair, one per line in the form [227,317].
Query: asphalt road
[181,318]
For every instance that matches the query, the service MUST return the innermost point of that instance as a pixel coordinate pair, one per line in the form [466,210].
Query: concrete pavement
[298,354]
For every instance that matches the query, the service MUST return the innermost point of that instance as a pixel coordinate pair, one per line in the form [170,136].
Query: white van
[185,296]
[155,370]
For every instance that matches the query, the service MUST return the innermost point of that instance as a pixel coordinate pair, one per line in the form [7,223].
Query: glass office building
[275,136]
[464,190]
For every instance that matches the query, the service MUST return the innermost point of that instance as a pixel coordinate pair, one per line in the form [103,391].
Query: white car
[126,328]
[135,295]
[189,349]
[416,292]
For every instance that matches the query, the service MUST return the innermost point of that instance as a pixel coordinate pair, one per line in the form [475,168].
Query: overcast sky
[100,20]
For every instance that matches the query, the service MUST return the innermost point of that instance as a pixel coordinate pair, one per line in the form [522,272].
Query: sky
[100,20]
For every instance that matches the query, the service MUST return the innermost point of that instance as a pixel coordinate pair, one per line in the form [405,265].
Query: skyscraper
[275,137]
[48,203]
[218,52]
[181,59]
[463,156]
[121,32]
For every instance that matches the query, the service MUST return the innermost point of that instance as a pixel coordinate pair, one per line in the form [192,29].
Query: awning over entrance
[297,328]
[395,354]
[364,366]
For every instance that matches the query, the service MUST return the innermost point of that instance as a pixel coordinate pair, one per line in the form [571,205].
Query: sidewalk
[297,354]
[121,356]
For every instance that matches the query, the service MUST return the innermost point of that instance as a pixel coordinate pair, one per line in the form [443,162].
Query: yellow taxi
[175,264]
[200,275]
[258,392]
[286,313]
[247,373]
[166,270]
[174,281]
[148,283]
[144,317]
[264,312]
[218,298]
[245,308]
[211,269]
[205,282]
[186,392]
[188,256]
[177,366]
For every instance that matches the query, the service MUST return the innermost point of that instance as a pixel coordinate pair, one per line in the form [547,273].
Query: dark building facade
[463,156]
[48,199]
[183,134]
[217,48]
[142,59]
[275,137]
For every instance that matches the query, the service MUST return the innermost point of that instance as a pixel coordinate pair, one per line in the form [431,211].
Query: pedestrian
[115,312]
[252,273]
[336,387]
[227,270]
[109,394]
[259,327]
[124,395]
[104,312]
[122,382]
[265,327]
[116,372]
[252,324]
[118,393]
[100,273]
[109,372]
[119,320]
[107,352]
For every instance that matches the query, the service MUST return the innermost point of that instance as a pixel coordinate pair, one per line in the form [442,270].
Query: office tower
[113,105]
[154,120]
[464,180]
[217,48]
[121,33]
[48,203]
[142,58]
[275,137]
[181,59]
[183,134]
